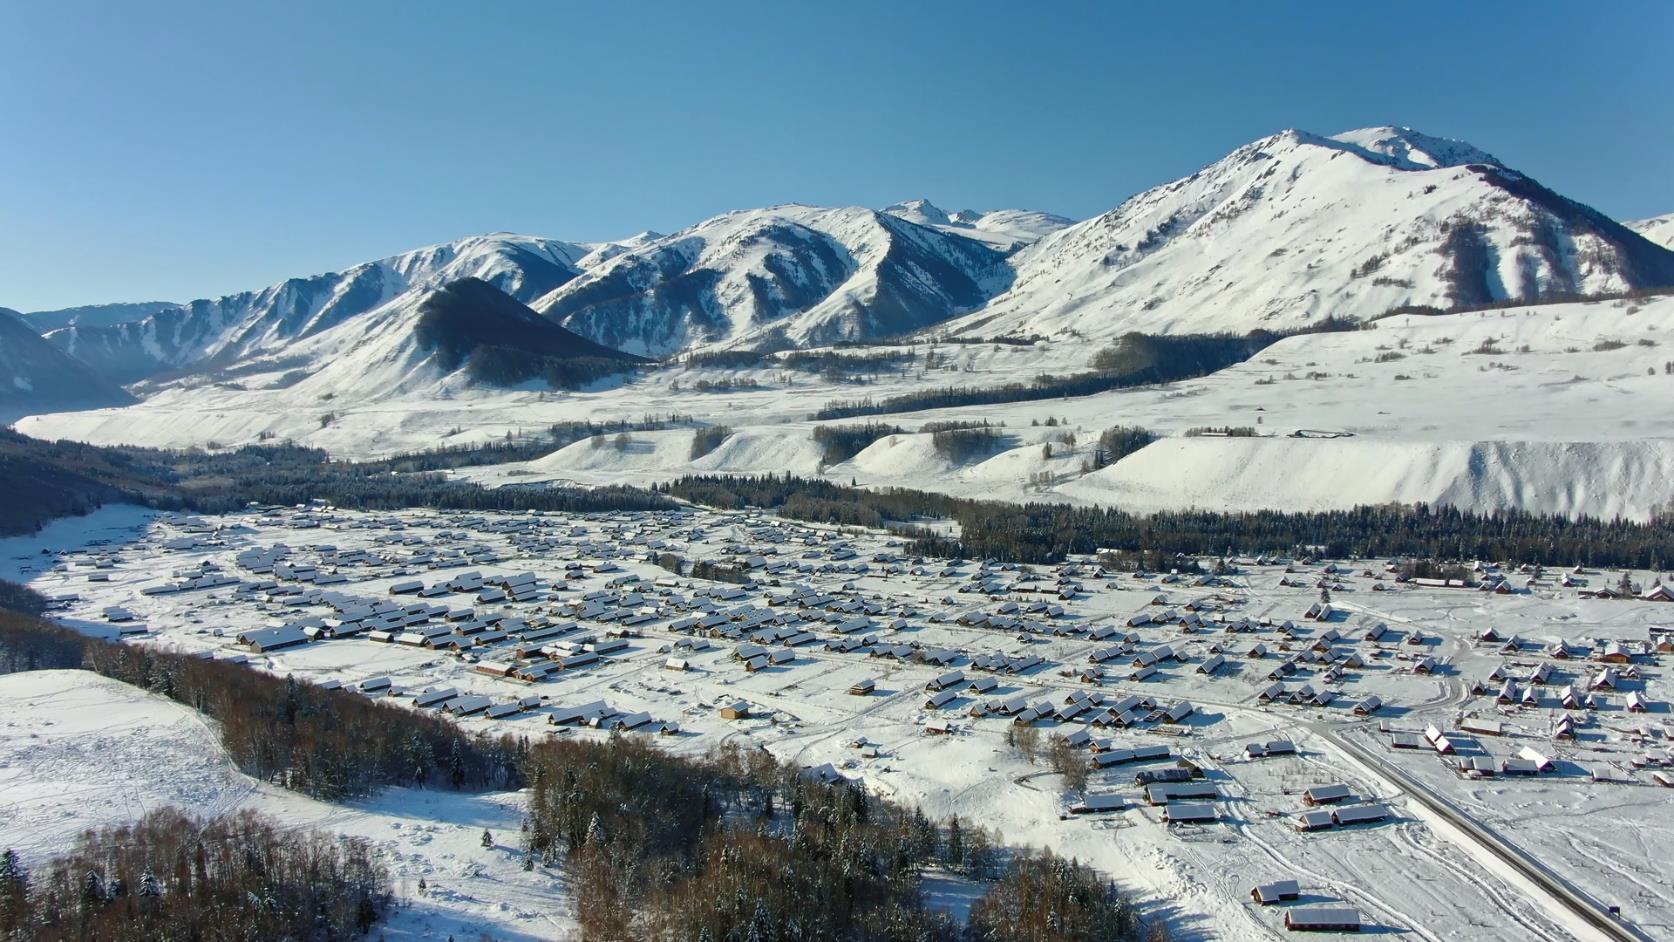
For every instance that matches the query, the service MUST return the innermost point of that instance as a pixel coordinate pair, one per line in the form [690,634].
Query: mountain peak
[921,211]
[1414,150]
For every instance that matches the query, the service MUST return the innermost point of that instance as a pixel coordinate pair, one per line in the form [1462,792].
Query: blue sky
[172,150]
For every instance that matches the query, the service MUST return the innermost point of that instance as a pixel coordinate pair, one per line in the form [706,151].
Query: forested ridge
[736,846]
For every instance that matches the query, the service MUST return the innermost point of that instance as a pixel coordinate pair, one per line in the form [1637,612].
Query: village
[1310,744]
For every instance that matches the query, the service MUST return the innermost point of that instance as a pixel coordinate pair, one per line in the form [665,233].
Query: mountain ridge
[1296,227]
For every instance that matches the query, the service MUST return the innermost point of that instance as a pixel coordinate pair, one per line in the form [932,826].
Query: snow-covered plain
[1407,874]
[1555,408]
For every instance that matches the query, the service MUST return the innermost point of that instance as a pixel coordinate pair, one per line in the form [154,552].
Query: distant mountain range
[782,276]
[36,376]
[1283,232]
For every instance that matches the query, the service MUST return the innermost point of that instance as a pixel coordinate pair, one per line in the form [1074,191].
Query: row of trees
[45,480]
[170,876]
[707,439]
[1120,441]
[1049,532]
[520,447]
[839,443]
[330,744]
[508,366]
[1135,359]
[964,444]
[737,846]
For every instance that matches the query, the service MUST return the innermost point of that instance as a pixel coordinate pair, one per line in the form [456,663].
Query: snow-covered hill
[1296,227]
[418,346]
[95,315]
[35,376]
[1006,230]
[786,275]
[221,331]
[1659,229]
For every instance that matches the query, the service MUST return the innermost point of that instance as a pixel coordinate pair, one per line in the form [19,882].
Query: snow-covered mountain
[95,315]
[1006,230]
[785,275]
[219,332]
[36,376]
[1659,229]
[418,344]
[1296,227]
[1280,233]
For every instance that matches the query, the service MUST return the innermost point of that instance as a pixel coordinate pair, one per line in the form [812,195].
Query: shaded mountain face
[37,377]
[218,332]
[783,276]
[469,315]
[1295,228]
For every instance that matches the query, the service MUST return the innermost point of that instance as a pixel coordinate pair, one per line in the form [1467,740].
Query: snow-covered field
[1411,873]
[79,751]
[1555,408]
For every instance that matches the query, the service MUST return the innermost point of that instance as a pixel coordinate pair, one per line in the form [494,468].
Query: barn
[1327,794]
[1190,812]
[273,639]
[1323,919]
[1278,891]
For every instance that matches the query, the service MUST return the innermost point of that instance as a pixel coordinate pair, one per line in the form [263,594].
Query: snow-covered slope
[779,276]
[1296,227]
[79,751]
[1006,230]
[95,315]
[415,345]
[35,376]
[220,331]
[1659,229]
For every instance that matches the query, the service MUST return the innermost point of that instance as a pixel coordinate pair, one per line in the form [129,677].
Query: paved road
[1577,901]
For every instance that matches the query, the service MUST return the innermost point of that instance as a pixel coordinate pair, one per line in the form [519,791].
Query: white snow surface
[1659,229]
[1005,229]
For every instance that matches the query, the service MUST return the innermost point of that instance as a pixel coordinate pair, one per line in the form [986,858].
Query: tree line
[1135,359]
[328,744]
[171,876]
[46,480]
[1039,533]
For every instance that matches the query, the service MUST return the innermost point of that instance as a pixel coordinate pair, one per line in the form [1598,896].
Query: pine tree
[955,843]
[93,892]
[14,894]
